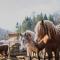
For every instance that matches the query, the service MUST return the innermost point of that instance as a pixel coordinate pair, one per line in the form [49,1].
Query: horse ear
[42,22]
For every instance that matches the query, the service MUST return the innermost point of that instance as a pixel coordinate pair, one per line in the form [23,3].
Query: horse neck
[30,42]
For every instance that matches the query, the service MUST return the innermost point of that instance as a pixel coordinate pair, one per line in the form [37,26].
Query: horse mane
[50,26]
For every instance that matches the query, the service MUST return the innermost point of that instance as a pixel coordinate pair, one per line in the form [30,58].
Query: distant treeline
[29,23]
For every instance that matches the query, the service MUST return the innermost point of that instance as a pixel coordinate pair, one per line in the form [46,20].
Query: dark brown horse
[52,41]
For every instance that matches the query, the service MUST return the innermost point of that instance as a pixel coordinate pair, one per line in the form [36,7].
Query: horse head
[26,38]
[44,31]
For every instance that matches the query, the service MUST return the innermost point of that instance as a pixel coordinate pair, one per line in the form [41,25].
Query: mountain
[3,34]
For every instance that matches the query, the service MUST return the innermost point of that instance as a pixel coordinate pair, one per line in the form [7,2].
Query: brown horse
[28,41]
[52,41]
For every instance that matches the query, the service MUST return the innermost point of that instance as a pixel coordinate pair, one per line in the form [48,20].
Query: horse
[28,41]
[46,28]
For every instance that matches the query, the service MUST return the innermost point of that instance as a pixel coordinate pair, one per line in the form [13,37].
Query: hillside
[3,34]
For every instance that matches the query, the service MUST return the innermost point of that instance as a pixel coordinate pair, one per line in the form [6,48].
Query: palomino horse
[28,41]
[51,43]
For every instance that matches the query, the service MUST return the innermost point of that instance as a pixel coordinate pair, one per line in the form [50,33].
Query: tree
[34,21]
[18,27]
[45,17]
[51,18]
[39,17]
[27,24]
[56,18]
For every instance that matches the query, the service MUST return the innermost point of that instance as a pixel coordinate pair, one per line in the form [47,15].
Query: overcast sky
[12,11]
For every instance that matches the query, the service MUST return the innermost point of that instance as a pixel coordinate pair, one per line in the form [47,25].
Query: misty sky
[12,11]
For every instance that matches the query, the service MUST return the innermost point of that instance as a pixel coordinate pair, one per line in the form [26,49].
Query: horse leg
[29,54]
[30,58]
[56,54]
[49,55]
[38,56]
[45,54]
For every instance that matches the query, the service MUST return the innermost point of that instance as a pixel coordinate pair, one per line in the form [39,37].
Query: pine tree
[51,18]
[27,24]
[39,17]
[45,17]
